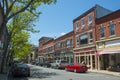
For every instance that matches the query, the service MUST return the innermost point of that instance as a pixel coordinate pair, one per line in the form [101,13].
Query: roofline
[64,35]
[85,13]
[45,37]
[107,16]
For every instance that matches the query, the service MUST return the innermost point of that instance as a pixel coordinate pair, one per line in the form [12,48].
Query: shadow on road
[20,78]
[39,73]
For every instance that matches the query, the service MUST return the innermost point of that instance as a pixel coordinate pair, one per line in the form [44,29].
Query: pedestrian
[83,62]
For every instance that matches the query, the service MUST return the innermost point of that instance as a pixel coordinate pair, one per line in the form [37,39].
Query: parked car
[76,67]
[59,64]
[20,69]
[41,63]
[33,63]
[47,64]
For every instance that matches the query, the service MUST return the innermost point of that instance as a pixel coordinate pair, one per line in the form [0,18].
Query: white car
[59,64]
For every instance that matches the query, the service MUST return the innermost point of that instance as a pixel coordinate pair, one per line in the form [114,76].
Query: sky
[57,19]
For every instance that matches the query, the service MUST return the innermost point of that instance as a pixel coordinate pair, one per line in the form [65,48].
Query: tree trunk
[5,47]
[4,57]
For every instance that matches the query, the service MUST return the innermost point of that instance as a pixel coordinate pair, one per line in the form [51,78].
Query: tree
[20,28]
[8,15]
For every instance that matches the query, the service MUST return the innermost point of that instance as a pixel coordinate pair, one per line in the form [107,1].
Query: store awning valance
[108,52]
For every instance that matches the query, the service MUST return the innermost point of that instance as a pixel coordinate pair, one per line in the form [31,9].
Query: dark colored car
[47,64]
[76,67]
[20,69]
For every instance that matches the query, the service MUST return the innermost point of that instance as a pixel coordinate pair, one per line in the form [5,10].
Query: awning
[108,52]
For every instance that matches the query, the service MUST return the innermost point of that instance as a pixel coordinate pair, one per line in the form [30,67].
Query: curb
[105,72]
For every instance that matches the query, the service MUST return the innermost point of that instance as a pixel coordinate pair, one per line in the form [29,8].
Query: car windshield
[22,65]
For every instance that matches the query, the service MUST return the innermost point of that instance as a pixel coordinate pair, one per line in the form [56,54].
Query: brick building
[84,35]
[108,40]
[45,49]
[64,47]
[60,48]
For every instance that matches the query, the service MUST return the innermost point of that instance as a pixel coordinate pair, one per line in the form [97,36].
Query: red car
[76,67]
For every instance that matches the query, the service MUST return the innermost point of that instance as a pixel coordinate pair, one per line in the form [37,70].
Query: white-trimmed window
[89,19]
[112,29]
[68,42]
[102,31]
[77,26]
[83,39]
[90,37]
[59,45]
[83,23]
[77,41]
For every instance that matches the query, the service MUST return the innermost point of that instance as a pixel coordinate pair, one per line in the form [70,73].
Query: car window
[22,65]
[71,64]
[63,61]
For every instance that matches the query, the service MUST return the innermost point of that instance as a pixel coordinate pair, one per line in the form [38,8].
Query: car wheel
[75,70]
[28,75]
[57,67]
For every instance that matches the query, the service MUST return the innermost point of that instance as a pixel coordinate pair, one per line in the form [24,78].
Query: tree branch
[10,8]
[21,10]
[6,3]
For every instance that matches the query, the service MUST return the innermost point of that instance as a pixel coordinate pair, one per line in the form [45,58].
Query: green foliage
[20,28]
[18,18]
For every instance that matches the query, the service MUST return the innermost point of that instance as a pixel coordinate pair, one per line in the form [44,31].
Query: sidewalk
[105,72]
[3,77]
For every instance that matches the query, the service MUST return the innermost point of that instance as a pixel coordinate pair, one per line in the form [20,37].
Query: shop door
[105,61]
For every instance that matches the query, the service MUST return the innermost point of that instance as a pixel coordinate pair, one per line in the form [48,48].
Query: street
[41,73]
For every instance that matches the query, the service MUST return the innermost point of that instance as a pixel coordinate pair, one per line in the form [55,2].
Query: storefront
[67,56]
[86,54]
[109,59]
[108,55]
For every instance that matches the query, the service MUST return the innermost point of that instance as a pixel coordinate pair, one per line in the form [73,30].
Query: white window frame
[77,26]
[83,25]
[90,39]
[89,22]
[68,45]
[111,23]
[102,26]
[77,42]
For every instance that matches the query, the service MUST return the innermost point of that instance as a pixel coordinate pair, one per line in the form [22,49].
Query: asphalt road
[41,73]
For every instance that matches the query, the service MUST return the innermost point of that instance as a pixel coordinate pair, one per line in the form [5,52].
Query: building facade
[46,46]
[108,41]
[85,36]
[48,51]
[64,48]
